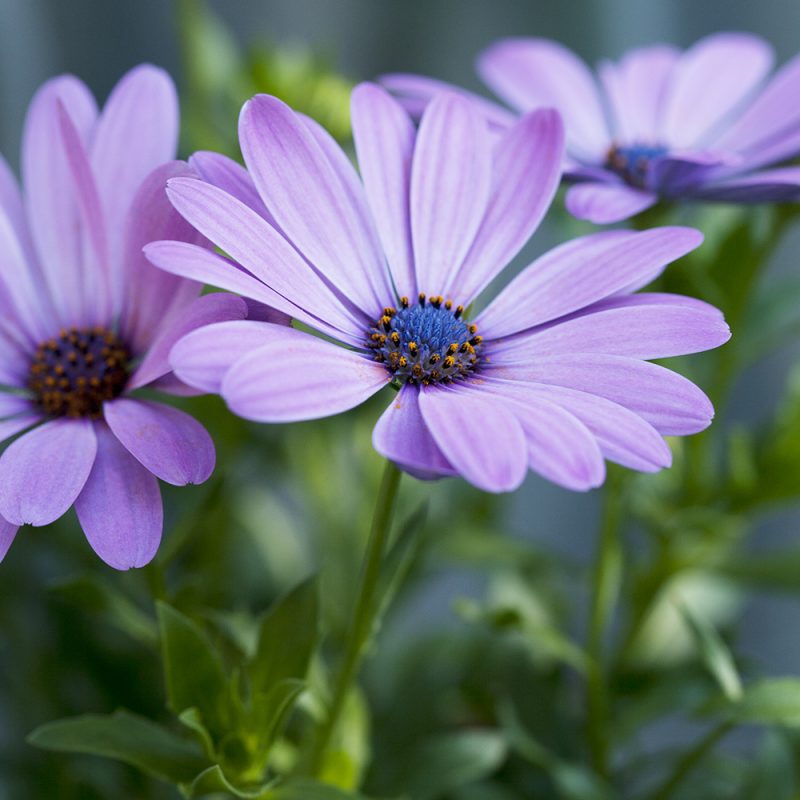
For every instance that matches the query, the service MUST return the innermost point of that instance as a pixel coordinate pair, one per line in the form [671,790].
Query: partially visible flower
[551,376]
[85,319]
[659,123]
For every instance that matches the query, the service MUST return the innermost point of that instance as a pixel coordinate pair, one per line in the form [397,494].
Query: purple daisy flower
[659,123]
[550,376]
[85,319]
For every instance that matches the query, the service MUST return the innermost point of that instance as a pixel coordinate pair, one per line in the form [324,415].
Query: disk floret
[74,374]
[427,342]
[633,163]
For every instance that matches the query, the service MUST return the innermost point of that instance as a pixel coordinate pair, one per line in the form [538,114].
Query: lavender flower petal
[297,376]
[384,138]
[50,190]
[316,204]
[43,472]
[581,272]
[170,444]
[120,507]
[604,203]
[527,171]
[7,534]
[401,435]
[450,184]
[203,311]
[203,357]
[710,82]
[494,456]
[536,73]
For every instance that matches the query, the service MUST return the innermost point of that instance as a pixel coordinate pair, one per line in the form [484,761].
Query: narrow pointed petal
[451,178]
[42,472]
[537,73]
[401,435]
[623,436]
[231,177]
[636,86]
[763,132]
[169,443]
[384,138]
[206,310]
[582,272]
[145,296]
[137,131]
[203,357]
[261,250]
[638,331]
[710,83]
[7,534]
[317,205]
[604,203]
[297,376]
[483,440]
[50,196]
[526,175]
[780,185]
[673,405]
[120,507]
[414,92]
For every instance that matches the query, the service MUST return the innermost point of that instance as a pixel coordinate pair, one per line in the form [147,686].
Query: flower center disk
[633,163]
[427,342]
[74,374]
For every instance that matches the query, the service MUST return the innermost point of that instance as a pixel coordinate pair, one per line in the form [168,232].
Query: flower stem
[363,616]
[605,588]
[690,760]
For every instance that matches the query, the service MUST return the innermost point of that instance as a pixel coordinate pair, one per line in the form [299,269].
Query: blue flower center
[425,343]
[632,163]
[74,374]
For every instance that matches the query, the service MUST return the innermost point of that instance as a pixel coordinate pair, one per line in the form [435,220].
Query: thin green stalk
[605,589]
[363,616]
[690,760]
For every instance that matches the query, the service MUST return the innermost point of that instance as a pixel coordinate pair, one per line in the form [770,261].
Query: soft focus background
[286,500]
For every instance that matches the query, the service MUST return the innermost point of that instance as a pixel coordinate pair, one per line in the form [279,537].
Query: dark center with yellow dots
[425,343]
[73,375]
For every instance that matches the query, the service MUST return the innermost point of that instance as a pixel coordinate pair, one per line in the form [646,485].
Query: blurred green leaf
[714,652]
[770,701]
[286,640]
[347,757]
[125,737]
[774,775]
[448,761]
[272,708]
[310,790]
[194,674]
[99,597]
[193,720]
[213,780]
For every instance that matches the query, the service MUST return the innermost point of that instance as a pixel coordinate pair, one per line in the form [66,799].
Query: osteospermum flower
[85,319]
[659,123]
[550,376]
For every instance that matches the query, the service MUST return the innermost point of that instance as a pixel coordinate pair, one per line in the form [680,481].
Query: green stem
[363,616]
[605,588]
[690,760]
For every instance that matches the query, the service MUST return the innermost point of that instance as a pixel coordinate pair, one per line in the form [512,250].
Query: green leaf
[99,597]
[774,774]
[124,737]
[310,790]
[193,720]
[714,652]
[213,780]
[287,637]
[194,674]
[447,762]
[272,708]
[771,701]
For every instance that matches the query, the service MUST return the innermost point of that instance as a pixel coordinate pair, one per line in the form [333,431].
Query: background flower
[551,376]
[659,123]
[86,319]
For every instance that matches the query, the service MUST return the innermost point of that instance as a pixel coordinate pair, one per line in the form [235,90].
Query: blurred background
[237,543]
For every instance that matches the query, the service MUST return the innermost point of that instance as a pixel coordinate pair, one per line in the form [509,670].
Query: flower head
[703,124]
[85,319]
[550,376]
